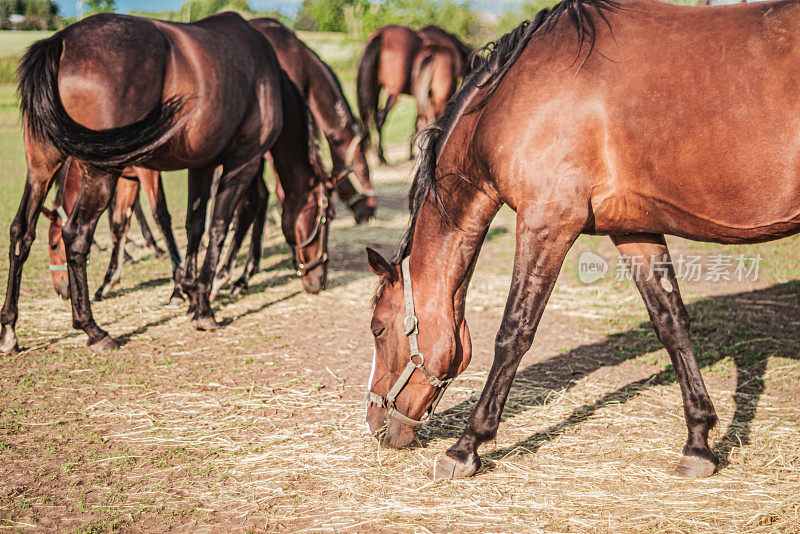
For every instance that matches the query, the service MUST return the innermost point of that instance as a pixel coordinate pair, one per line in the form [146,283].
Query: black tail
[368,85]
[47,121]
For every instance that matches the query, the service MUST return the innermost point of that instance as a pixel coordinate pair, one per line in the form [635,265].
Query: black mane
[489,65]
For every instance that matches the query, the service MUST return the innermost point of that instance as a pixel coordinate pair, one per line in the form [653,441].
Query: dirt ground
[260,426]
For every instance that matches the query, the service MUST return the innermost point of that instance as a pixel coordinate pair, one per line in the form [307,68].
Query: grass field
[259,426]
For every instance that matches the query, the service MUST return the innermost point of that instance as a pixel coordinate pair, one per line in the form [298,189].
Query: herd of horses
[614,117]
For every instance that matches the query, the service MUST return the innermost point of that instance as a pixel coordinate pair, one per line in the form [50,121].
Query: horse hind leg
[380,120]
[127,194]
[42,168]
[544,235]
[651,266]
[96,192]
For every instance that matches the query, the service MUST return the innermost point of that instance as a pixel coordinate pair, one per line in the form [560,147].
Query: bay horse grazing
[388,64]
[303,193]
[323,92]
[116,90]
[605,139]
[131,181]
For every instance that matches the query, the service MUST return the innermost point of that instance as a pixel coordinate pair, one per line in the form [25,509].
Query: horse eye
[378,331]
[53,246]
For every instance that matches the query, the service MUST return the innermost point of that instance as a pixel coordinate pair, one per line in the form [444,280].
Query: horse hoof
[8,341]
[237,289]
[105,344]
[695,467]
[205,324]
[447,467]
[98,296]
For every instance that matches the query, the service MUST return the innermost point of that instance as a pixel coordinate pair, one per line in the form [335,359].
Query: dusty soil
[260,426]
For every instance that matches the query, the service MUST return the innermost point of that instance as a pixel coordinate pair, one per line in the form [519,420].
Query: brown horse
[300,171]
[131,180]
[606,138]
[332,113]
[115,90]
[388,64]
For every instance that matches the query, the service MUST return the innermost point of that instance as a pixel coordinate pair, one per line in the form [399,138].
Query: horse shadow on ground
[748,328]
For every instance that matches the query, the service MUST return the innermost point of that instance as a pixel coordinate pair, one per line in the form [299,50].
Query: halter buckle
[411,324]
[421,360]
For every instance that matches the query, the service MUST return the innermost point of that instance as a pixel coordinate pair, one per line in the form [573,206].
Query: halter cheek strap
[320,231]
[62,216]
[361,194]
[411,324]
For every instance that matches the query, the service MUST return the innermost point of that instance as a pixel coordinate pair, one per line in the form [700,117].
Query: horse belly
[702,218]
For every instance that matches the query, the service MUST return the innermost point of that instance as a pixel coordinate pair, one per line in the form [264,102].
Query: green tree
[198,9]
[456,16]
[512,18]
[5,14]
[330,15]
[101,6]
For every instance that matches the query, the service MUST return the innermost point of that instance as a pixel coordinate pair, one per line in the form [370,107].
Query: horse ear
[381,267]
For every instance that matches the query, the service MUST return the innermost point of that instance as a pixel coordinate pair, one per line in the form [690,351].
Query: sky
[289,7]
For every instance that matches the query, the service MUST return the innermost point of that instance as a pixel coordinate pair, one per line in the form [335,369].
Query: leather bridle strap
[361,194]
[411,324]
[321,231]
[62,216]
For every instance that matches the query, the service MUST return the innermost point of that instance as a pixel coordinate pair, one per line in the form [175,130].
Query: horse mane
[490,64]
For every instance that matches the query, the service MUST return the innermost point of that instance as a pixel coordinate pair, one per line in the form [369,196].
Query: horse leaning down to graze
[393,60]
[115,90]
[605,139]
[332,113]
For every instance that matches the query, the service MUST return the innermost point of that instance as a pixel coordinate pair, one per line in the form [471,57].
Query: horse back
[682,120]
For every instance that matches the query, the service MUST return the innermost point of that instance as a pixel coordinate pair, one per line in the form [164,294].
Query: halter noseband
[321,231]
[62,217]
[411,324]
[361,194]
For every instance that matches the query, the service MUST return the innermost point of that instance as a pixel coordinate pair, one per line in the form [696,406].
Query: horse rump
[46,120]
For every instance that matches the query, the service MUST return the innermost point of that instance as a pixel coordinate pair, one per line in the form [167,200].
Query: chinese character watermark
[690,268]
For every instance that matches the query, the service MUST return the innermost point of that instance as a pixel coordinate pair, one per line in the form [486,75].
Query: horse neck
[445,247]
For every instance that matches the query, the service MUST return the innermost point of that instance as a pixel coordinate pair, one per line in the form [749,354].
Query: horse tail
[46,120]
[422,81]
[368,84]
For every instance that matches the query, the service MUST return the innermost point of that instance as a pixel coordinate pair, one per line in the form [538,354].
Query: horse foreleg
[154,189]
[126,197]
[23,232]
[199,191]
[380,120]
[237,173]
[651,266]
[242,219]
[96,192]
[544,236]
[259,217]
